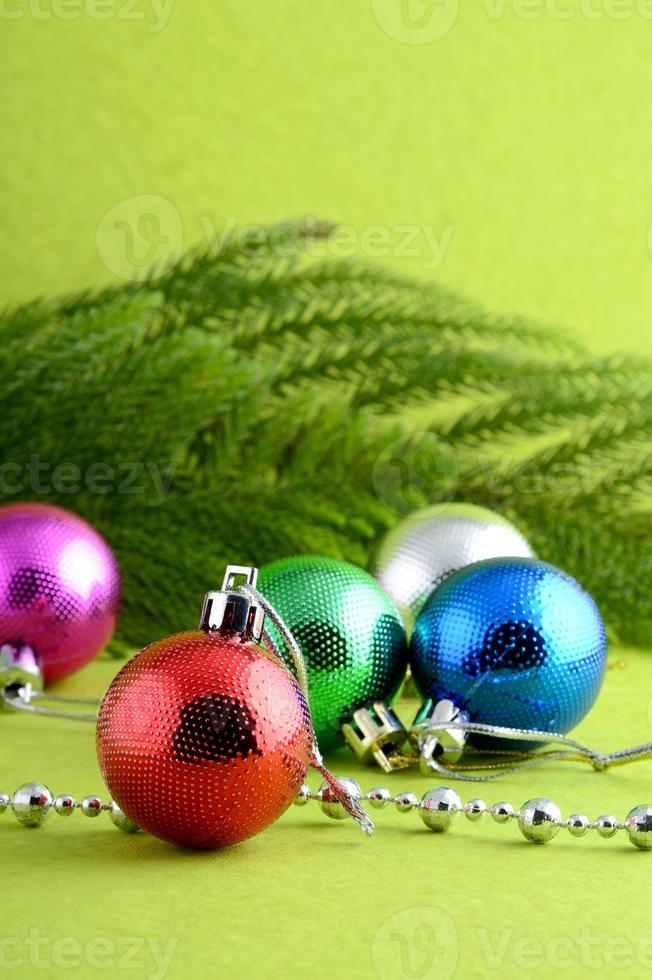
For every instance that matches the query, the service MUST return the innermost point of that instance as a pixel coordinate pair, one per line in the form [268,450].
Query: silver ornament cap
[432,739]
[20,673]
[377,736]
[232,611]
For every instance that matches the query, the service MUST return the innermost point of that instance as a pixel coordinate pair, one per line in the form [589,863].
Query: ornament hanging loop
[348,801]
[24,697]
[560,748]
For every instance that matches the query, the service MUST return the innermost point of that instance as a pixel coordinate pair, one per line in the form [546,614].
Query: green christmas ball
[350,633]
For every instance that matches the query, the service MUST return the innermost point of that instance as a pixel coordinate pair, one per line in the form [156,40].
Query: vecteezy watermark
[146,230]
[416,467]
[341,241]
[155,14]
[146,955]
[423,943]
[38,476]
[416,21]
[426,21]
[418,943]
[137,233]
[569,9]
[422,467]
[584,950]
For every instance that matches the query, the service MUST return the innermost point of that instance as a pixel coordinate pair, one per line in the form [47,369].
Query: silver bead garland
[539,820]
[32,804]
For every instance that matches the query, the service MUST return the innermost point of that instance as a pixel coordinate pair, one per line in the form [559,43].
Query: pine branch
[289,405]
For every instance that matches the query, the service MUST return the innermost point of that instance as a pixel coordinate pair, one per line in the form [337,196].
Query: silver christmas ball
[639,827]
[32,804]
[440,808]
[430,544]
[539,820]
[5,800]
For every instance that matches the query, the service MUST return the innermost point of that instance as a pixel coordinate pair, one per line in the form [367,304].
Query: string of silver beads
[539,820]
[32,804]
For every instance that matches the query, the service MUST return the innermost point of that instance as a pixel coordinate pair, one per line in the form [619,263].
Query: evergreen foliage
[292,405]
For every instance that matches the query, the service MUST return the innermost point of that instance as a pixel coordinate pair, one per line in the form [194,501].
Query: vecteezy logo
[416,21]
[137,233]
[417,468]
[416,944]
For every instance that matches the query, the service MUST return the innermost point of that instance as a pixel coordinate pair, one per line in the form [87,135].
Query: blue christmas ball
[513,641]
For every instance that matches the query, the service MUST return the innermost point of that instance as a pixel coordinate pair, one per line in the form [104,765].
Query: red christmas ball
[204,739]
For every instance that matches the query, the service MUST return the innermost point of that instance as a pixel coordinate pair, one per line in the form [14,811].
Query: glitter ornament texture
[514,642]
[349,631]
[431,543]
[204,739]
[59,588]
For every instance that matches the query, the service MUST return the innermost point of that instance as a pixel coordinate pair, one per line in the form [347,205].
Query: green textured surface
[314,895]
[527,141]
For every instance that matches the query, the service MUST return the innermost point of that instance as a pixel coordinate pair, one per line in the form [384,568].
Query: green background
[529,138]
[524,143]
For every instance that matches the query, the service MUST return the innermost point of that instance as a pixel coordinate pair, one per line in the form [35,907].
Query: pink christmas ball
[59,587]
